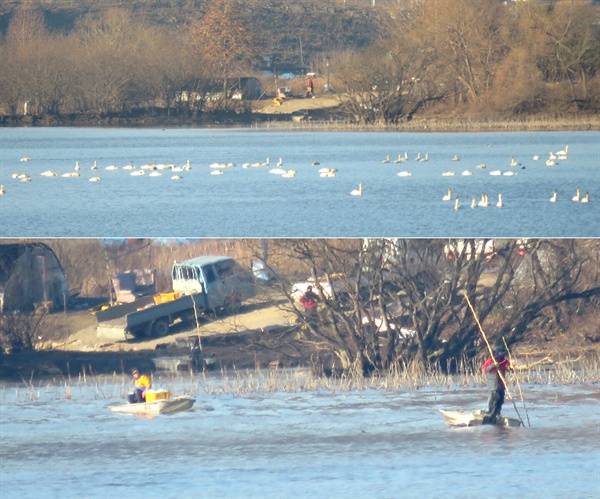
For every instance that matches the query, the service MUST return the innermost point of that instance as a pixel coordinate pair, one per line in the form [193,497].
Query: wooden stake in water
[517,380]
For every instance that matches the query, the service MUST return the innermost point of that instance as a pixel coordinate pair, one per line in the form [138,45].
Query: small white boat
[162,406]
[475,418]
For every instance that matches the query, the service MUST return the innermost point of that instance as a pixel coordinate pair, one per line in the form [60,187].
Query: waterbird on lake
[357,192]
[456,158]
[94,179]
[217,172]
[76,165]
[327,172]
[2,189]
[129,166]
[112,167]
[404,174]
[289,174]
[495,173]
[576,197]
[280,162]
[447,174]
[277,171]
[387,159]
[456,203]
[424,158]
[551,155]
[70,174]
[316,163]
[509,174]
[154,174]
[536,157]
[466,173]
[176,177]
[480,166]
[473,202]
[418,156]
[484,203]
[26,178]
[94,166]
[400,159]
[553,198]
[550,162]
[448,196]
[138,173]
[49,173]
[586,198]
[513,161]
[499,203]
[564,152]
[25,159]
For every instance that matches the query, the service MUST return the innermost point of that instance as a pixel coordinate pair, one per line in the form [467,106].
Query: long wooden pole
[492,355]
[517,380]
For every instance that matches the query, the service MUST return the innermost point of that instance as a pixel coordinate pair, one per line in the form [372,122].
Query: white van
[222,280]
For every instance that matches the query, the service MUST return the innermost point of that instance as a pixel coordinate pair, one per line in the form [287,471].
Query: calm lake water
[325,444]
[251,202]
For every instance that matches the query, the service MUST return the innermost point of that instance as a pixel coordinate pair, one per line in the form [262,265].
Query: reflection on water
[370,443]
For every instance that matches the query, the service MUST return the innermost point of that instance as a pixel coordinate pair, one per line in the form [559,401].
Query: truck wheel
[160,327]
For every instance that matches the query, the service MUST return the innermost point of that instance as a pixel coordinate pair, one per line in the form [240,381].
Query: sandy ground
[297,105]
[76,331]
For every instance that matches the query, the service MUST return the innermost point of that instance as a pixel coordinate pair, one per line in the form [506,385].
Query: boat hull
[166,406]
[475,418]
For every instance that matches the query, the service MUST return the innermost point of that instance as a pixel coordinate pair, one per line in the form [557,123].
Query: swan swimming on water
[404,174]
[95,179]
[553,198]
[473,202]
[499,204]
[576,196]
[456,203]
[357,192]
[448,196]
[586,198]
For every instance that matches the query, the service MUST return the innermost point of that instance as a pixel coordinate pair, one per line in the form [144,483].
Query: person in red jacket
[310,300]
[495,369]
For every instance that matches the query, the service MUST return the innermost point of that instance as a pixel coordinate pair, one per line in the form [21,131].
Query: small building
[31,277]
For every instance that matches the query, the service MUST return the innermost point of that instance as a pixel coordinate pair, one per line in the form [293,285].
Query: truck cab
[222,280]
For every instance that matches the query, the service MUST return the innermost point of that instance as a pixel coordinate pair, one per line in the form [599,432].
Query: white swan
[277,171]
[513,161]
[76,165]
[564,152]
[357,192]
[425,158]
[551,155]
[280,162]
[473,202]
[481,166]
[26,178]
[138,173]
[49,173]
[553,198]
[586,198]
[456,203]
[155,174]
[25,159]
[387,159]
[467,173]
[418,156]
[495,173]
[327,172]
[536,157]
[176,177]
[447,174]
[111,167]
[448,196]
[217,172]
[499,204]
[456,158]
[404,174]
[2,189]
[94,179]
[95,165]
[576,196]
[129,166]
[509,174]
[289,174]
[400,159]
[550,162]
[70,174]
[484,203]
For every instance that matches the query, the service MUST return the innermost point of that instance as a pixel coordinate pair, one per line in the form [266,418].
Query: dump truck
[200,285]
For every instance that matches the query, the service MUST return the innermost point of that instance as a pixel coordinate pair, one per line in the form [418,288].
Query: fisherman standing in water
[495,369]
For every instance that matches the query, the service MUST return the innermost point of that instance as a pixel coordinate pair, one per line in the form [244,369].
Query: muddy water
[59,441]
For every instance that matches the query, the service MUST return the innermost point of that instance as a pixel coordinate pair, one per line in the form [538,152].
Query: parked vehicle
[201,285]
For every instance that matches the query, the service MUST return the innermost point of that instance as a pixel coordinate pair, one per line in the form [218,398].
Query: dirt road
[297,105]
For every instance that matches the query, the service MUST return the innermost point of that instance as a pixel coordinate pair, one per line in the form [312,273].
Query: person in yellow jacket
[141,383]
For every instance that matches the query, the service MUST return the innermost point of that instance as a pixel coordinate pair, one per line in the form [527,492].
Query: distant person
[494,369]
[311,88]
[309,299]
[141,383]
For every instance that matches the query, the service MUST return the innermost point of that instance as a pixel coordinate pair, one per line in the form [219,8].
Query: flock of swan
[157,170]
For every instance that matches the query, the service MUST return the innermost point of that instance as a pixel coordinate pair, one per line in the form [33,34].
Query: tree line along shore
[390,63]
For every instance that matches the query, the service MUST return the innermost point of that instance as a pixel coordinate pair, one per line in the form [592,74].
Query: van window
[209,274]
[225,269]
